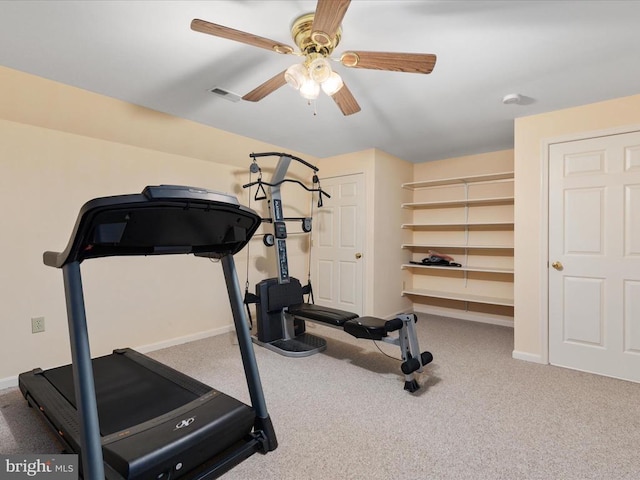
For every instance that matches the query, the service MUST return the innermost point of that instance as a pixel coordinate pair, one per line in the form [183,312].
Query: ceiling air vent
[226,94]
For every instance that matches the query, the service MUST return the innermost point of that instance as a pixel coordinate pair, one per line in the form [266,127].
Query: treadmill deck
[153,419]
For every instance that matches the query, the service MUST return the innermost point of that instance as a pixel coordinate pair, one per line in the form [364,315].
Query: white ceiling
[557,54]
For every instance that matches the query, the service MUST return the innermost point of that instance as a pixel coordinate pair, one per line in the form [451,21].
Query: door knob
[358,256]
[557,265]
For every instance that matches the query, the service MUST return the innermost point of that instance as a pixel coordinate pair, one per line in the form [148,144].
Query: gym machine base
[126,415]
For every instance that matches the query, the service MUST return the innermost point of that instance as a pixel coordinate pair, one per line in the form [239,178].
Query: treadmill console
[162,220]
[183,192]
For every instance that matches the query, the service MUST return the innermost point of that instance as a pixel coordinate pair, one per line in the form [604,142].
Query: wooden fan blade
[346,101]
[203,26]
[327,20]
[397,62]
[266,88]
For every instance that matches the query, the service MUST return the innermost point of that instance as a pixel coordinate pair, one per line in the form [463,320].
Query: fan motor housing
[313,42]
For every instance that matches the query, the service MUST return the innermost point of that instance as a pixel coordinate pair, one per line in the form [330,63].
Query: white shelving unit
[471,219]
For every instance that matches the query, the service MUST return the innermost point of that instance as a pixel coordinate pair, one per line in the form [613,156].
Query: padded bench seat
[316,313]
[360,327]
[371,327]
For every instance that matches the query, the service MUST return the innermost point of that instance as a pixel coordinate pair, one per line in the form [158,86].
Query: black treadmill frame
[87,242]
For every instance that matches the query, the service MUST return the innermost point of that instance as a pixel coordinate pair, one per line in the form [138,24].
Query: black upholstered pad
[367,327]
[317,313]
[282,295]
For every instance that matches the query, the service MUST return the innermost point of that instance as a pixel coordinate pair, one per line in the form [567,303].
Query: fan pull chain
[315,107]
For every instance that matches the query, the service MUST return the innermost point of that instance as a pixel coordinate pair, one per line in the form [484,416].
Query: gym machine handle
[277,154]
[263,197]
[262,182]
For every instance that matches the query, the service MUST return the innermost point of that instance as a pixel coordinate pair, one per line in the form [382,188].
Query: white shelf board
[464,268]
[460,203]
[487,177]
[465,297]
[458,247]
[494,319]
[444,225]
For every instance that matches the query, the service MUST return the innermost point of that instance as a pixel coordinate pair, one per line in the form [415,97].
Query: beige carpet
[343,414]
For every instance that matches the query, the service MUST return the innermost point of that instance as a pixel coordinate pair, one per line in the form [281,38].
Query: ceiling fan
[317,35]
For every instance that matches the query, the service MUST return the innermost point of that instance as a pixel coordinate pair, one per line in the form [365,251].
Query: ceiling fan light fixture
[296,75]
[333,84]
[310,89]
[319,69]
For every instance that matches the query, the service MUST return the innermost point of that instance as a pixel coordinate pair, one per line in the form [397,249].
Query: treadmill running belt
[127,393]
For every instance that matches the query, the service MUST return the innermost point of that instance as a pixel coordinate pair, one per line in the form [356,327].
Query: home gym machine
[128,416]
[281,311]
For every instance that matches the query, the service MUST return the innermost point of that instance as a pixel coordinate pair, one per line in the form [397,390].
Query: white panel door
[594,255]
[338,243]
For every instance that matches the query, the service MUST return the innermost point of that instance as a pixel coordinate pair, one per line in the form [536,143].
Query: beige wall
[500,161]
[46,176]
[532,134]
[35,101]
[390,174]
[61,146]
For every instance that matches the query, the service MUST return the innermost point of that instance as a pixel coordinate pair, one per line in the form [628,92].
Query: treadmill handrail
[203,222]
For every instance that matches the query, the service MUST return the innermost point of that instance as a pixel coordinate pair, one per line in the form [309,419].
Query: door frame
[365,239]
[544,219]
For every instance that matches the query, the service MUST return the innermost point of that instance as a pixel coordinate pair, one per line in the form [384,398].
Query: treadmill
[127,415]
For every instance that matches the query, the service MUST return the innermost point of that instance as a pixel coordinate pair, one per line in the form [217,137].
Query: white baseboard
[185,339]
[527,357]
[396,315]
[10,382]
[465,315]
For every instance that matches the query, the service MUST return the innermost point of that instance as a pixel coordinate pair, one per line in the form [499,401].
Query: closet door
[338,245]
[594,255]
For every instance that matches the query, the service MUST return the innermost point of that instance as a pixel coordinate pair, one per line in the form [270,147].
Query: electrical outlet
[37,324]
